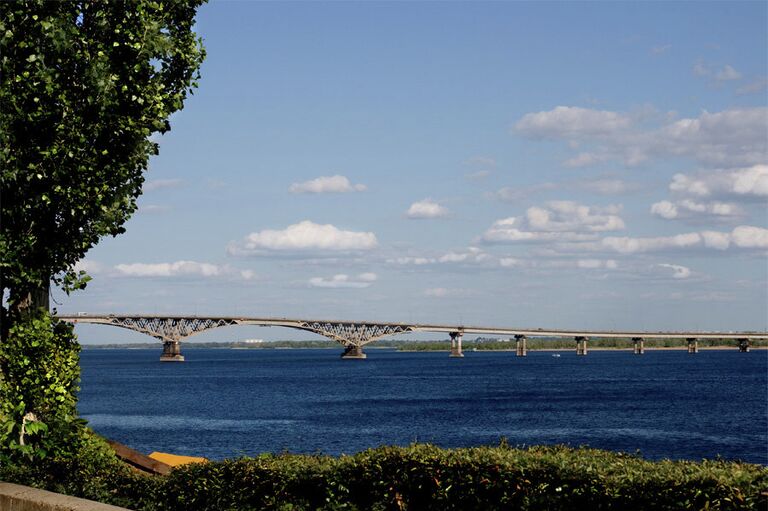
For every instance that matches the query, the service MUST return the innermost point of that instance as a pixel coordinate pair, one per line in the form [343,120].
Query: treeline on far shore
[479,344]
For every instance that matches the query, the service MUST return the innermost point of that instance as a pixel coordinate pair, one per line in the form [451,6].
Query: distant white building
[253,341]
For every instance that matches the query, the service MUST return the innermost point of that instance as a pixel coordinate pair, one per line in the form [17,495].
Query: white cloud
[181,269]
[744,182]
[747,236]
[472,255]
[743,236]
[678,272]
[558,221]
[511,194]
[661,49]
[753,87]
[511,262]
[342,280]
[480,161]
[408,260]
[327,184]
[159,184]
[592,264]
[442,292]
[727,73]
[585,160]
[731,138]
[88,266]
[305,236]
[153,208]
[688,208]
[437,292]
[477,176]
[701,69]
[426,208]
[571,122]
[608,186]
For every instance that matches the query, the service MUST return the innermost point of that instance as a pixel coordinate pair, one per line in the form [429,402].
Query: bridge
[353,335]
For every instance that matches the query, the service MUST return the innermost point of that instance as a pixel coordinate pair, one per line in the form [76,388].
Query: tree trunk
[29,300]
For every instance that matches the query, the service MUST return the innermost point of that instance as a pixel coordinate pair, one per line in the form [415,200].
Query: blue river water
[226,403]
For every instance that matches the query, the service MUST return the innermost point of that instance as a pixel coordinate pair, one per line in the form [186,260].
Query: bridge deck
[417,327]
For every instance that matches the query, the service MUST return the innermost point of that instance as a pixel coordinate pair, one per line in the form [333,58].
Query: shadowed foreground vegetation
[419,477]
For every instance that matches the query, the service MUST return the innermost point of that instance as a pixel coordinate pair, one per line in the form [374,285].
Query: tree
[83,86]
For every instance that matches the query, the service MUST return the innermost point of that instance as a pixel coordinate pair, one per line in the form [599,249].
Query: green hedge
[424,477]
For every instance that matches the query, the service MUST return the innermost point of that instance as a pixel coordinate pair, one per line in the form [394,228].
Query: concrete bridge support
[743,345]
[693,345]
[522,348]
[581,345]
[639,346]
[456,344]
[353,352]
[171,352]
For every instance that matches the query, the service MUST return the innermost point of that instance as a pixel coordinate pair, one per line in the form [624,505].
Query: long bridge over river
[353,335]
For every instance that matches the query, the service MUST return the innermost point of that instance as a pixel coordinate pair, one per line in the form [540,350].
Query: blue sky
[579,165]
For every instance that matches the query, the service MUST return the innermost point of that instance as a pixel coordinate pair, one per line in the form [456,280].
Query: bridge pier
[743,345]
[171,352]
[581,345]
[456,344]
[638,345]
[522,348]
[693,345]
[353,352]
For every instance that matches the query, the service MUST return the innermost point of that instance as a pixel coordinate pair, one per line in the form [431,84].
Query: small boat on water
[557,355]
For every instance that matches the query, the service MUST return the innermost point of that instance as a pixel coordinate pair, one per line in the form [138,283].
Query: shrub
[424,477]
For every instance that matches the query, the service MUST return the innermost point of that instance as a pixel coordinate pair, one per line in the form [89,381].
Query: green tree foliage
[83,86]
[37,394]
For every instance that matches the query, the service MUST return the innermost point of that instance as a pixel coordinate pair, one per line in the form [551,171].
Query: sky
[580,165]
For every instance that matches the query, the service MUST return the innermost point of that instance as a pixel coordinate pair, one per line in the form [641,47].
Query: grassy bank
[419,477]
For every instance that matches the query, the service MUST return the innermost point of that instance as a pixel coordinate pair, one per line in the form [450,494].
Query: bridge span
[353,335]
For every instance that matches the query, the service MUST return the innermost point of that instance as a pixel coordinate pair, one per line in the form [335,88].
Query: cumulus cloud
[727,73]
[585,159]
[303,237]
[181,269]
[743,236]
[731,138]
[342,280]
[478,175]
[741,182]
[571,123]
[678,272]
[701,192]
[409,260]
[472,255]
[561,264]
[558,221]
[327,184]
[426,208]
[688,208]
[159,184]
